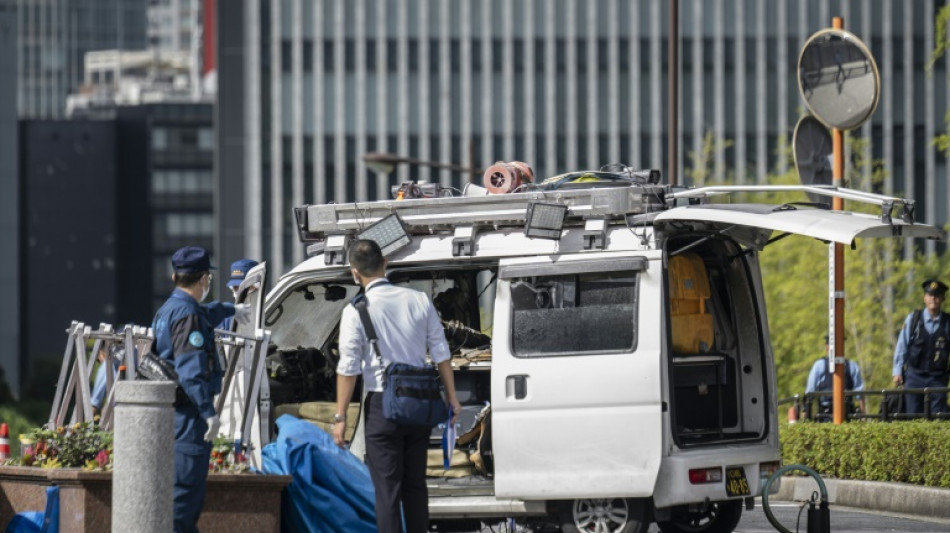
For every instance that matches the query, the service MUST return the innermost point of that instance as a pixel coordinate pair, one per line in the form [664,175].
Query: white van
[625,358]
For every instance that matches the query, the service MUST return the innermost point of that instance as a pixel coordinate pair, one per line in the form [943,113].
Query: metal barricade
[890,408]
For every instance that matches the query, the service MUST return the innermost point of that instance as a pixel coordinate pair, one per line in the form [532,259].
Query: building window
[184,225]
[206,139]
[159,139]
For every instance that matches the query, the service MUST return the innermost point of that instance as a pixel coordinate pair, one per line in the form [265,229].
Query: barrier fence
[889,407]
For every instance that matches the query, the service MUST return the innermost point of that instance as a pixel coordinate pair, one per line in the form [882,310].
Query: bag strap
[368,328]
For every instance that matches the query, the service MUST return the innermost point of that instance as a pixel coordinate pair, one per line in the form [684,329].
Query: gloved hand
[243,313]
[214,424]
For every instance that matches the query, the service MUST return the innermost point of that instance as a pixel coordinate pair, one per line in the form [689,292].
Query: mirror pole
[837,141]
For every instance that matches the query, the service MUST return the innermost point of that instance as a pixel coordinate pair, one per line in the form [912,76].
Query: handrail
[805,404]
[886,203]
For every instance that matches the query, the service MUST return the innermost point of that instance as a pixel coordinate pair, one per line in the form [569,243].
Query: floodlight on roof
[545,221]
[389,233]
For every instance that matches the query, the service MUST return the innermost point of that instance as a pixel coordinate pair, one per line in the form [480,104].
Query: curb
[876,495]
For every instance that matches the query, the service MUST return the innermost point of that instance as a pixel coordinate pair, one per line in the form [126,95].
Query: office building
[10,358]
[70,240]
[110,194]
[54,36]
[311,86]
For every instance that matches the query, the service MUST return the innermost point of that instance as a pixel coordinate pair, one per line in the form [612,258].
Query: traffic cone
[4,442]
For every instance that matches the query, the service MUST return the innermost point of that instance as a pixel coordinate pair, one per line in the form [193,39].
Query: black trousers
[396,457]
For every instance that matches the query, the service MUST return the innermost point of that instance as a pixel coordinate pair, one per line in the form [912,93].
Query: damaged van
[609,334]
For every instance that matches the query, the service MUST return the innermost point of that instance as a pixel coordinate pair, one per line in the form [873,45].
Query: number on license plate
[736,483]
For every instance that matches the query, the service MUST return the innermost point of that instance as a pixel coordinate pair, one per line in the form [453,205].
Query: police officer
[821,379]
[115,355]
[184,334]
[921,354]
[239,270]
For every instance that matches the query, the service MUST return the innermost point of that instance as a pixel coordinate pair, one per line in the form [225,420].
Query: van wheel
[605,515]
[719,517]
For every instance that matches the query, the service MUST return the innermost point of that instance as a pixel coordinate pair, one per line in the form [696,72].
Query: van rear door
[234,403]
[576,386]
[836,226]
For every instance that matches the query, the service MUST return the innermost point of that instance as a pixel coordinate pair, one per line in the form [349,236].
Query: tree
[941,46]
[880,289]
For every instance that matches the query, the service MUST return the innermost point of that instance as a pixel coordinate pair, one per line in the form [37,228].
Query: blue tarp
[39,521]
[331,489]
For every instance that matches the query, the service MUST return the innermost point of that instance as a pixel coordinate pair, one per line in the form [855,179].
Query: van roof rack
[425,215]
[609,201]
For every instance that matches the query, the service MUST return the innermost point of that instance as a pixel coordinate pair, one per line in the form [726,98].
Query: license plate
[736,483]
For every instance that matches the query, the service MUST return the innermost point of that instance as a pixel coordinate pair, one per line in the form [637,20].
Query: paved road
[843,520]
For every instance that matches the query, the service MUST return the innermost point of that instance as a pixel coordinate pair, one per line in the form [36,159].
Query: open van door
[577,409]
[241,360]
[752,223]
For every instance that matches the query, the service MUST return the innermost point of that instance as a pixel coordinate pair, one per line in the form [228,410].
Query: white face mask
[205,292]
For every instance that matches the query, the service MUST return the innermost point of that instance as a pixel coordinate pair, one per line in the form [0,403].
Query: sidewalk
[891,497]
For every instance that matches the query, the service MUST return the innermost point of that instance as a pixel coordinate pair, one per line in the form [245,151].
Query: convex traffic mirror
[812,153]
[838,79]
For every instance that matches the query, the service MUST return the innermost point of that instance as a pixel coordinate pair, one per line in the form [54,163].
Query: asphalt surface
[793,516]
[843,520]
[855,506]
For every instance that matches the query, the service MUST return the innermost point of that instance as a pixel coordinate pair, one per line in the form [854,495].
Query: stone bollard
[144,460]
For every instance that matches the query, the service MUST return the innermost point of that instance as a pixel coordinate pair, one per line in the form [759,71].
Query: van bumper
[674,488]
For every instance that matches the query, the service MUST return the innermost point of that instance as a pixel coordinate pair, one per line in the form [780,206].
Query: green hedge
[22,417]
[914,451]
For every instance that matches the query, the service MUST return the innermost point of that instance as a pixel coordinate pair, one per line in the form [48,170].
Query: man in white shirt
[407,325]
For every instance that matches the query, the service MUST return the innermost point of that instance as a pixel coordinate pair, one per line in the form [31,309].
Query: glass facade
[181,189]
[54,36]
[562,85]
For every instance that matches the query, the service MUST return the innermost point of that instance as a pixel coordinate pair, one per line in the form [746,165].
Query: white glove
[243,314]
[214,424]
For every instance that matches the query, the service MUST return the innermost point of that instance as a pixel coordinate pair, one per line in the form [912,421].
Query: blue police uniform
[184,334]
[922,354]
[239,271]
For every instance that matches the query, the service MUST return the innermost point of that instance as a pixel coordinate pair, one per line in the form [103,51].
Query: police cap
[191,260]
[239,271]
[935,287]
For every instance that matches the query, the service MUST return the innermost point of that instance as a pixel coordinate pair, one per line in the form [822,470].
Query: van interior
[717,362]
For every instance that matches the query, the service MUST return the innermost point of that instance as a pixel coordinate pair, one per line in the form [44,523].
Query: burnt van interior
[716,359]
[304,352]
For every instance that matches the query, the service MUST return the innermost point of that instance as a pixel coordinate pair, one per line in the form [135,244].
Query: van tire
[720,517]
[619,515]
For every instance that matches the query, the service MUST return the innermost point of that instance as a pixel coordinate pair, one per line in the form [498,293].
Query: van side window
[574,314]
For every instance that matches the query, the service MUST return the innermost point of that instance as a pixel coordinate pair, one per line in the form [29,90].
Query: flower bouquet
[81,445]
[225,458]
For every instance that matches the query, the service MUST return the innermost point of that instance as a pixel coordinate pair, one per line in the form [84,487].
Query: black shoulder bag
[412,395]
[154,367]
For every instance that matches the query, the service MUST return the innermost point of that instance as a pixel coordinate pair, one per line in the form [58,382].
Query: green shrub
[916,451]
[19,421]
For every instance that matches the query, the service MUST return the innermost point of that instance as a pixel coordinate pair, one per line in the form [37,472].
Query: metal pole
[837,145]
[672,63]
[471,161]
